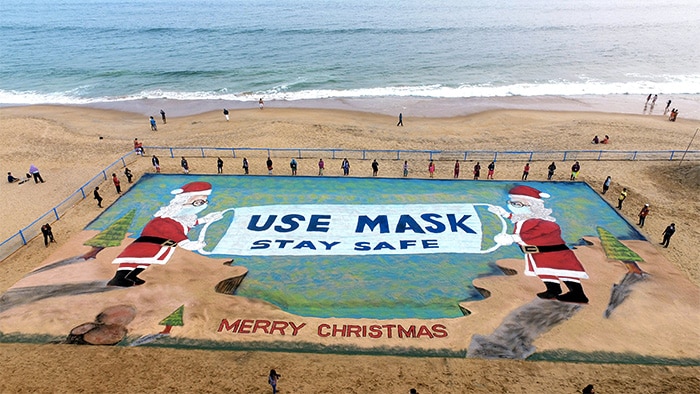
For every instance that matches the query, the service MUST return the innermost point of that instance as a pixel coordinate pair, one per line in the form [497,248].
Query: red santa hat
[527,191]
[194,189]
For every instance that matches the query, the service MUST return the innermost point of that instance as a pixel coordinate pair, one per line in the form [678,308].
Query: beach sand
[70,145]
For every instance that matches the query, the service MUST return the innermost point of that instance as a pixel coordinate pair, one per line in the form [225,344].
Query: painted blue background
[383,287]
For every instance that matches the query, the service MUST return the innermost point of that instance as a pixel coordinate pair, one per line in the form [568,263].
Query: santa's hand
[498,211]
[192,245]
[212,217]
[503,239]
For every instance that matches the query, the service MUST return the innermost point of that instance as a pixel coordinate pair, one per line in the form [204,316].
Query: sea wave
[295,91]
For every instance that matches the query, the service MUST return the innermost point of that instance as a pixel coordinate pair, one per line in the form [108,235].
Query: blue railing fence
[33,230]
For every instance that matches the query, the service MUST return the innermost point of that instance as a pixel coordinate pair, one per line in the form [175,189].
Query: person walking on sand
[648,98]
[321,166]
[405,168]
[272,380]
[431,168]
[35,173]
[491,168]
[156,164]
[185,166]
[668,104]
[574,171]
[643,215]
[477,171]
[269,165]
[375,167]
[670,230]
[550,171]
[621,199]
[261,104]
[526,172]
[162,116]
[245,166]
[48,234]
[606,184]
[456,172]
[226,114]
[653,101]
[154,127]
[96,195]
[127,173]
[117,184]
[400,120]
[219,165]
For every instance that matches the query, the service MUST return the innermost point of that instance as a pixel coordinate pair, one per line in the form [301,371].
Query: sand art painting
[491,269]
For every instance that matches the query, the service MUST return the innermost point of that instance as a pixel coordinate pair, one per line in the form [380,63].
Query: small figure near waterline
[226,114]
[261,104]
[162,116]
[154,127]
[400,120]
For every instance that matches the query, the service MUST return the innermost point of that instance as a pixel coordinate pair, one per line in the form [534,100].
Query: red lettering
[322,333]
[388,329]
[295,328]
[353,329]
[278,326]
[423,330]
[403,333]
[375,331]
[261,325]
[336,331]
[439,331]
[229,327]
[246,325]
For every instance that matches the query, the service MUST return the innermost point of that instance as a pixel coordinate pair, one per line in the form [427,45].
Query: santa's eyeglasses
[198,202]
[518,204]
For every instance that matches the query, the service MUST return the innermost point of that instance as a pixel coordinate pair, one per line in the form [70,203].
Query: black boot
[120,279]
[575,294]
[132,276]
[553,290]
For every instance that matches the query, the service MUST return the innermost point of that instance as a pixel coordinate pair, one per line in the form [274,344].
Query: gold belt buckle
[169,242]
[531,249]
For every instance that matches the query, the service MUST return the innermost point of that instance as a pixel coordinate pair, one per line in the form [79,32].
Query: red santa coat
[154,252]
[559,263]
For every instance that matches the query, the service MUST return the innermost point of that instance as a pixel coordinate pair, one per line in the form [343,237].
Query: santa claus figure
[539,237]
[167,230]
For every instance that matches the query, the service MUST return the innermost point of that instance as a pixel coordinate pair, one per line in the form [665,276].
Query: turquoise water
[85,51]
[369,286]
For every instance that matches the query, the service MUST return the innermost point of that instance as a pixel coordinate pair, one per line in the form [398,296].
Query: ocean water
[92,51]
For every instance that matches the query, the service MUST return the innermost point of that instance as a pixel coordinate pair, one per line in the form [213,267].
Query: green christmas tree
[614,249]
[173,319]
[111,236]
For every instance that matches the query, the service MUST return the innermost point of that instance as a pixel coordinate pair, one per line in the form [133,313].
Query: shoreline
[423,107]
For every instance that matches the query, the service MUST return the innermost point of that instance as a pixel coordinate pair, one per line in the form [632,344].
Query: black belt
[156,240]
[529,249]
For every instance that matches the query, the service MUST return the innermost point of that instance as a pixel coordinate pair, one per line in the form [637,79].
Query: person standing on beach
[219,165]
[400,119]
[668,104]
[653,101]
[154,127]
[550,171]
[477,171]
[35,173]
[643,215]
[648,98]
[456,172]
[346,167]
[138,147]
[321,166]
[621,199]
[226,114]
[185,166]
[491,168]
[162,116]
[272,380]
[405,168]
[431,168]
[293,165]
[156,164]
[375,167]
[261,104]
[117,184]
[606,184]
[48,234]
[269,165]
[245,166]
[96,195]
[670,230]
[574,171]
[127,173]
[526,172]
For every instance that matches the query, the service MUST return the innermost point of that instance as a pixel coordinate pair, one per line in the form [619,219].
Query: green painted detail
[113,235]
[614,249]
[175,318]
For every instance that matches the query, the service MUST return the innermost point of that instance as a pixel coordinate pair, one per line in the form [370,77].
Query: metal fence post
[55,212]
[202,149]
[21,235]
[172,154]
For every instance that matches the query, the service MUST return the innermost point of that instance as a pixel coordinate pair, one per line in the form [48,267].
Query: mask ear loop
[504,229]
[203,232]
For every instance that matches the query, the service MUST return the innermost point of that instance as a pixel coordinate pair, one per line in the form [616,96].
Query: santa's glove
[499,211]
[212,217]
[192,245]
[503,239]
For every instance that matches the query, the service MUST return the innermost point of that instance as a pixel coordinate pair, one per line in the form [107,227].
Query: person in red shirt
[117,184]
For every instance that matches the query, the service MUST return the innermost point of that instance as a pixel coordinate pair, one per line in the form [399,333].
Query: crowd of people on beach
[651,102]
